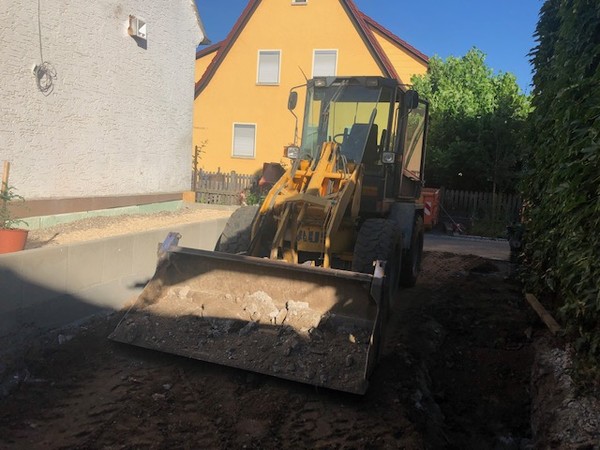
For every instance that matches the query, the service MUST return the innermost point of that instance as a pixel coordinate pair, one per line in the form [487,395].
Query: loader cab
[375,123]
[354,112]
[410,145]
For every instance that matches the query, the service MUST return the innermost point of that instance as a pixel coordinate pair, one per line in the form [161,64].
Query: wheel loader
[301,286]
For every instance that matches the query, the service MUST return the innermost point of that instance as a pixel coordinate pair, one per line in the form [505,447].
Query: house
[97,106]
[240,112]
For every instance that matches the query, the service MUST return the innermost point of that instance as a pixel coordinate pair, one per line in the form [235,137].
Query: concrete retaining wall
[54,286]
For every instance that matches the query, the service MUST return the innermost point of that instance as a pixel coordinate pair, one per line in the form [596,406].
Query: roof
[392,37]
[208,50]
[362,22]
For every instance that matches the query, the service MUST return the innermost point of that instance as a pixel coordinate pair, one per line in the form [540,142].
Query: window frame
[268,83]
[233,149]
[322,50]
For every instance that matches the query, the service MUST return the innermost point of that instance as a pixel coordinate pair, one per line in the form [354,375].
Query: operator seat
[361,144]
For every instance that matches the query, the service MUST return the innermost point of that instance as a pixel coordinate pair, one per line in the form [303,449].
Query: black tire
[411,260]
[236,235]
[380,239]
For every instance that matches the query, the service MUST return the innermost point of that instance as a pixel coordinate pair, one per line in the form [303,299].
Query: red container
[12,240]
[431,207]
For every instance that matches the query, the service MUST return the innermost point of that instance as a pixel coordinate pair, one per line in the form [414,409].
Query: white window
[244,140]
[268,66]
[324,63]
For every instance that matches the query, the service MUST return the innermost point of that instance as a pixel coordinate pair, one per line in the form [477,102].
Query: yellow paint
[404,62]
[202,64]
[233,96]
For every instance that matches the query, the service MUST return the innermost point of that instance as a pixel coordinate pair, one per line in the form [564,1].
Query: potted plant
[12,238]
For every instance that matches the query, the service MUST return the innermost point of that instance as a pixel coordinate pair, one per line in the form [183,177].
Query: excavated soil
[466,365]
[454,373]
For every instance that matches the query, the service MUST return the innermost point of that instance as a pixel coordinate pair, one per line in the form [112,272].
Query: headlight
[320,82]
[292,152]
[388,157]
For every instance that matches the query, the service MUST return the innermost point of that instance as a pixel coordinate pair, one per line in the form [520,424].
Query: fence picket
[481,205]
[221,188]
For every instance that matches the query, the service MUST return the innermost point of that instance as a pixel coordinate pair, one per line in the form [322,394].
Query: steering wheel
[337,136]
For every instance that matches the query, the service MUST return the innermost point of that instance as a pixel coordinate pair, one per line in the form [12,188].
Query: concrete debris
[260,306]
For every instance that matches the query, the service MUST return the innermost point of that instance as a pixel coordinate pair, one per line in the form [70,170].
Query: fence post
[195,169]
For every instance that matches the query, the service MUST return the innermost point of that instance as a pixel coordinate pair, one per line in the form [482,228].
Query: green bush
[562,185]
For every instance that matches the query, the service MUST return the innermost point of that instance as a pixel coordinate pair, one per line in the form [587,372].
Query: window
[299,2]
[268,66]
[324,63]
[244,140]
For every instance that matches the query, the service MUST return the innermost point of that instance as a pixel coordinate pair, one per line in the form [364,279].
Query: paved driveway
[497,249]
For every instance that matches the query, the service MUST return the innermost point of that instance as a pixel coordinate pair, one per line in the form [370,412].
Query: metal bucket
[301,323]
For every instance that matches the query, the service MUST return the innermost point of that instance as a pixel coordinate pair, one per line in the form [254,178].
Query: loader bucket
[296,322]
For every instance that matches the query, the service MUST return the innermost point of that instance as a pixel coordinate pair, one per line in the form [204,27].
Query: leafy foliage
[476,122]
[8,195]
[562,185]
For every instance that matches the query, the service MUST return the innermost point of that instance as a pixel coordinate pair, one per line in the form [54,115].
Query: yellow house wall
[232,95]
[406,65]
[202,64]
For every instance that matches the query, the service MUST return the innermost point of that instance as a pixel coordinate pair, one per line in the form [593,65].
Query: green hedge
[562,185]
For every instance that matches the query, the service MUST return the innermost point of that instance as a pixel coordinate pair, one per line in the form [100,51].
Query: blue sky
[502,29]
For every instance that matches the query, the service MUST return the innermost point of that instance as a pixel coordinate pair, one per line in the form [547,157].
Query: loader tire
[236,235]
[379,239]
[411,260]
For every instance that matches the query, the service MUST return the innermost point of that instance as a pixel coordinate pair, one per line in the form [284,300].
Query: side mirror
[292,100]
[411,98]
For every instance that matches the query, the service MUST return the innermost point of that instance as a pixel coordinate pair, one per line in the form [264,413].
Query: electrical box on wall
[137,27]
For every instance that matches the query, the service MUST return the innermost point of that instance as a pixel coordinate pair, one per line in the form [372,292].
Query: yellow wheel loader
[301,287]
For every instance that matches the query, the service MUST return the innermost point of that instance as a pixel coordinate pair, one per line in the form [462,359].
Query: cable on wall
[44,73]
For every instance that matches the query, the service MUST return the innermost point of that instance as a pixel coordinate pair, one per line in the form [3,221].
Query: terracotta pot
[12,240]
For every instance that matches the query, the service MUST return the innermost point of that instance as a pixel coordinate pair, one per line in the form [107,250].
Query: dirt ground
[455,374]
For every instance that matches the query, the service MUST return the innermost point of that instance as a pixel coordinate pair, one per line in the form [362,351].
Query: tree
[476,123]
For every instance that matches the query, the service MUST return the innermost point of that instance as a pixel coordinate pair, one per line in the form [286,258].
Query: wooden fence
[481,205]
[222,188]
[219,188]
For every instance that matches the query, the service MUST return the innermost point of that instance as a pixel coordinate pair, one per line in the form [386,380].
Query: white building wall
[119,118]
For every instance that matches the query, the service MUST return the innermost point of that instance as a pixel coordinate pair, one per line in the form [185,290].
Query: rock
[157,397]
[167,386]
[280,318]
[297,306]
[258,305]
[183,292]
